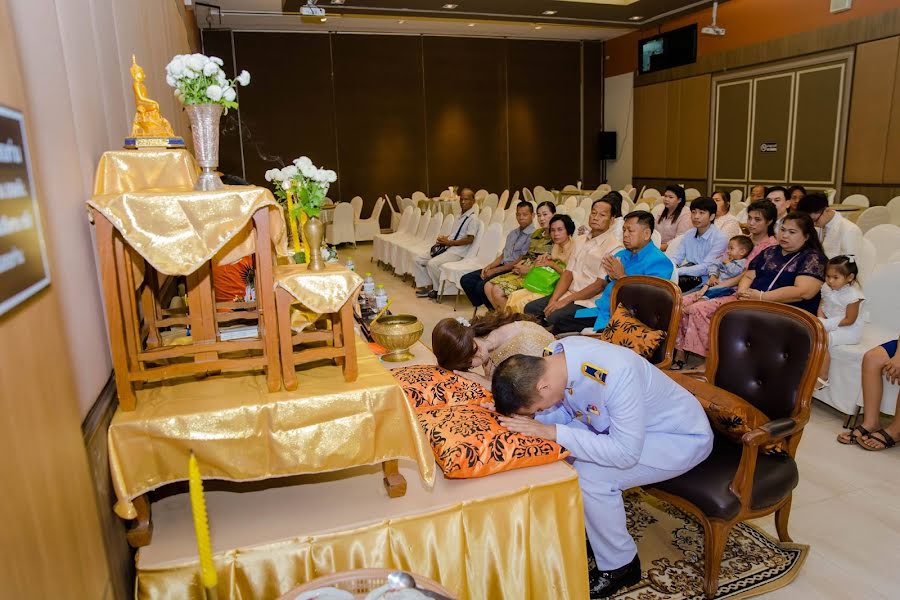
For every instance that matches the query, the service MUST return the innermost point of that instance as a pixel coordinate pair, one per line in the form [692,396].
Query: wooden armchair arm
[779,429]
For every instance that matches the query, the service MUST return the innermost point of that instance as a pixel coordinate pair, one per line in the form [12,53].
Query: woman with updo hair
[487,341]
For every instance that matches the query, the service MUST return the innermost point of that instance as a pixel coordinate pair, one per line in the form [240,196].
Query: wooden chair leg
[141,531]
[283,309]
[394,482]
[351,368]
[715,535]
[265,298]
[782,515]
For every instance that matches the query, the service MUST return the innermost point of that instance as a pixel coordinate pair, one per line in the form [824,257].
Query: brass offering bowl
[397,333]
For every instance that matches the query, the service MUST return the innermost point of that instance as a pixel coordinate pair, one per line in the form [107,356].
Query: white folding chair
[674,245]
[830,194]
[657,210]
[867,260]
[571,203]
[539,188]
[455,209]
[586,202]
[396,246]
[528,195]
[367,228]
[504,200]
[627,205]
[632,193]
[856,200]
[488,249]
[395,212]
[481,194]
[509,221]
[490,201]
[656,238]
[379,244]
[447,226]
[485,214]
[651,193]
[340,230]
[480,229]
[416,196]
[597,194]
[642,206]
[407,254]
[357,204]
[886,239]
[872,216]
[691,194]
[894,207]
[543,195]
[737,206]
[405,231]
[515,198]
[579,216]
[498,216]
[736,196]
[605,188]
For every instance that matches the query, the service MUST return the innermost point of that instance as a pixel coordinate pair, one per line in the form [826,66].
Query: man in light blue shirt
[640,257]
[700,247]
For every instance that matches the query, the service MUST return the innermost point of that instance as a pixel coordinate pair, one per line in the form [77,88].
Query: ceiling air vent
[840,5]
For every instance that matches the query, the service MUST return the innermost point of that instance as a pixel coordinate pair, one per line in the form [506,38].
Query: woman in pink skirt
[693,332]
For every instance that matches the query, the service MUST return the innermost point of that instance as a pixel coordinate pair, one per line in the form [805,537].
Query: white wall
[618,116]
[75,58]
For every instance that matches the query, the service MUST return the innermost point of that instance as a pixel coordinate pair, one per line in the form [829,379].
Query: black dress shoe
[604,584]
[433,295]
[423,293]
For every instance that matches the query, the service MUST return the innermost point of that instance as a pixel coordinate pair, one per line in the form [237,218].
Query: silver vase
[205,131]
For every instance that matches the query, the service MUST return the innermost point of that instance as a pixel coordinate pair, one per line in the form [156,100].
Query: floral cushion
[728,414]
[468,441]
[429,386]
[625,330]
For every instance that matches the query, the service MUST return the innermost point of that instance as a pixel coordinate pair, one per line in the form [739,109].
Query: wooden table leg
[394,482]
[141,530]
[283,300]
[265,298]
[351,369]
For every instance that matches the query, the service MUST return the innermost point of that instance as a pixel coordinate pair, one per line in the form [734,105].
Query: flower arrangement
[306,182]
[199,79]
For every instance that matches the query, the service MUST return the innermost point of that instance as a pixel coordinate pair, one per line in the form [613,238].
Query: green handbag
[541,280]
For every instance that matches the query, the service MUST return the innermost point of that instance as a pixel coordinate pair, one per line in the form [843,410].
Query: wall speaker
[606,144]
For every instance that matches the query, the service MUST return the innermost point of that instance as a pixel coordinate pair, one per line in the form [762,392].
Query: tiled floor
[847,506]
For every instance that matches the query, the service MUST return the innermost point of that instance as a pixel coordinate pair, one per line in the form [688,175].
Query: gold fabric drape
[320,291]
[177,230]
[122,171]
[517,541]
[240,432]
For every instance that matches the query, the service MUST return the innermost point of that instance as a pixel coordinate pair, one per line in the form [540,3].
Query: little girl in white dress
[839,310]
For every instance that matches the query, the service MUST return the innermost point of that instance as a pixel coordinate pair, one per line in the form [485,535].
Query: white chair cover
[396,246]
[886,239]
[395,212]
[543,195]
[657,210]
[488,248]
[491,201]
[597,194]
[867,260]
[571,203]
[641,206]
[656,238]
[407,254]
[504,200]
[578,215]
[407,226]
[605,188]
[674,245]
[357,204]
[482,193]
[894,207]
[485,214]
[856,200]
[737,206]
[528,195]
[416,196]
[498,216]
[872,216]
[691,194]
[736,196]
[367,228]
[651,193]
[340,230]
[447,226]
[450,288]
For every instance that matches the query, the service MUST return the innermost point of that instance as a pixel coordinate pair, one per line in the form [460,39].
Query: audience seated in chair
[727,223]
[795,195]
[778,195]
[427,268]
[839,236]
[700,247]
[879,363]
[585,276]
[675,219]
[693,333]
[518,244]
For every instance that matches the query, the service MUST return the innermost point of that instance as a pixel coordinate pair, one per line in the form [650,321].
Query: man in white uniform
[427,269]
[625,424]
[839,236]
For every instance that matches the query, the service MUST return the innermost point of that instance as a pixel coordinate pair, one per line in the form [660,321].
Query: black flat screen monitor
[666,50]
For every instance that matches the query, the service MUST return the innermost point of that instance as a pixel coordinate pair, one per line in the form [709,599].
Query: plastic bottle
[350,264]
[369,285]
[381,297]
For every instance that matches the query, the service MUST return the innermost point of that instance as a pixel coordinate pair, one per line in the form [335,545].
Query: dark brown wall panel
[544,113]
[772,110]
[650,130]
[594,171]
[816,124]
[380,115]
[288,108]
[465,113]
[693,139]
[731,130]
[218,43]
[892,149]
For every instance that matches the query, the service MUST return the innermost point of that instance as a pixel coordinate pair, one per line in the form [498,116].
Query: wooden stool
[135,343]
[341,336]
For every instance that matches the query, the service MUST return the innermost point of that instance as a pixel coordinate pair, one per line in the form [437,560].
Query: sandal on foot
[677,365]
[884,438]
[821,384]
[848,438]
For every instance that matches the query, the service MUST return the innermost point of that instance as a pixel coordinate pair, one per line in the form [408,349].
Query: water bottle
[350,264]
[369,285]
[381,297]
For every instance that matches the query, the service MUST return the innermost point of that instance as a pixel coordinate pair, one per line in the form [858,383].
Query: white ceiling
[266,15]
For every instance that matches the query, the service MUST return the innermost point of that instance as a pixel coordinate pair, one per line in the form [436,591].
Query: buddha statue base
[132,143]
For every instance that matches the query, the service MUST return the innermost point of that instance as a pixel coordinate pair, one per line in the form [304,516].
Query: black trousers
[473,285]
[562,320]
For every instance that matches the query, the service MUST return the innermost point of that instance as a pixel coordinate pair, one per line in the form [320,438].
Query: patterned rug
[670,543]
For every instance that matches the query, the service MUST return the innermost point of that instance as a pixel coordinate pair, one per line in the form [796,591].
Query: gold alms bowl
[397,333]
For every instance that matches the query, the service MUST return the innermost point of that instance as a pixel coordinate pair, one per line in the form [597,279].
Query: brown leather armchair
[769,355]
[656,303]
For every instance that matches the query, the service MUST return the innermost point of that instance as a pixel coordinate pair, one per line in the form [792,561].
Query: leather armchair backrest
[762,357]
[651,304]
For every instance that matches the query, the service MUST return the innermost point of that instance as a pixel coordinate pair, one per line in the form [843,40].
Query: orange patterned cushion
[468,441]
[625,330]
[428,387]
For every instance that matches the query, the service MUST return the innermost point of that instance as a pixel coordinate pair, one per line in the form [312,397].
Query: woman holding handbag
[541,279]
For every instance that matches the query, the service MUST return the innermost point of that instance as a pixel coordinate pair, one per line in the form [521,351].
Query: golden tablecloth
[517,535]
[177,230]
[320,291]
[240,432]
[122,171]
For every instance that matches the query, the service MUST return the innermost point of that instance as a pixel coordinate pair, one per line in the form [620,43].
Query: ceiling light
[450,6]
[323,19]
[401,22]
[538,26]
[635,18]
[549,12]
[471,24]
[337,1]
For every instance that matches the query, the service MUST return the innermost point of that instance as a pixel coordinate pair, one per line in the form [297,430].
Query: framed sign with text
[23,257]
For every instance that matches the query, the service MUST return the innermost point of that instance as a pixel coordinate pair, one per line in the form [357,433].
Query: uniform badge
[548,351]
[593,409]
[578,414]
[594,372]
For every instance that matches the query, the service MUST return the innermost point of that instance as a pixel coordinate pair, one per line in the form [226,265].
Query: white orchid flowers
[307,183]
[199,79]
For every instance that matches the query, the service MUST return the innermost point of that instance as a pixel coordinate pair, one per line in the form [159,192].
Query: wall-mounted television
[666,50]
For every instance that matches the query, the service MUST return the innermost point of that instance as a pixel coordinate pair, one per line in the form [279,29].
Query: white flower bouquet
[199,79]
[306,182]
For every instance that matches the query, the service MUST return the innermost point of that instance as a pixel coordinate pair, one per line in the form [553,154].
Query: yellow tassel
[201,526]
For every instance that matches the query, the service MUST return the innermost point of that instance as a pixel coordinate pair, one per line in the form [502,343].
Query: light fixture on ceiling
[337,1]
[471,24]
[549,12]
[401,22]
[635,18]
[450,6]
[538,26]
[323,19]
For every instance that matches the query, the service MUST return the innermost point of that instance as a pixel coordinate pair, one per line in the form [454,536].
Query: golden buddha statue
[149,128]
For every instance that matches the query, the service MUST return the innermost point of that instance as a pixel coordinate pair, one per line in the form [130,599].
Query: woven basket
[360,582]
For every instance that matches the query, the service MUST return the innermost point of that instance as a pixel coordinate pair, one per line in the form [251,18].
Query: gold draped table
[147,168]
[517,535]
[239,432]
[319,291]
